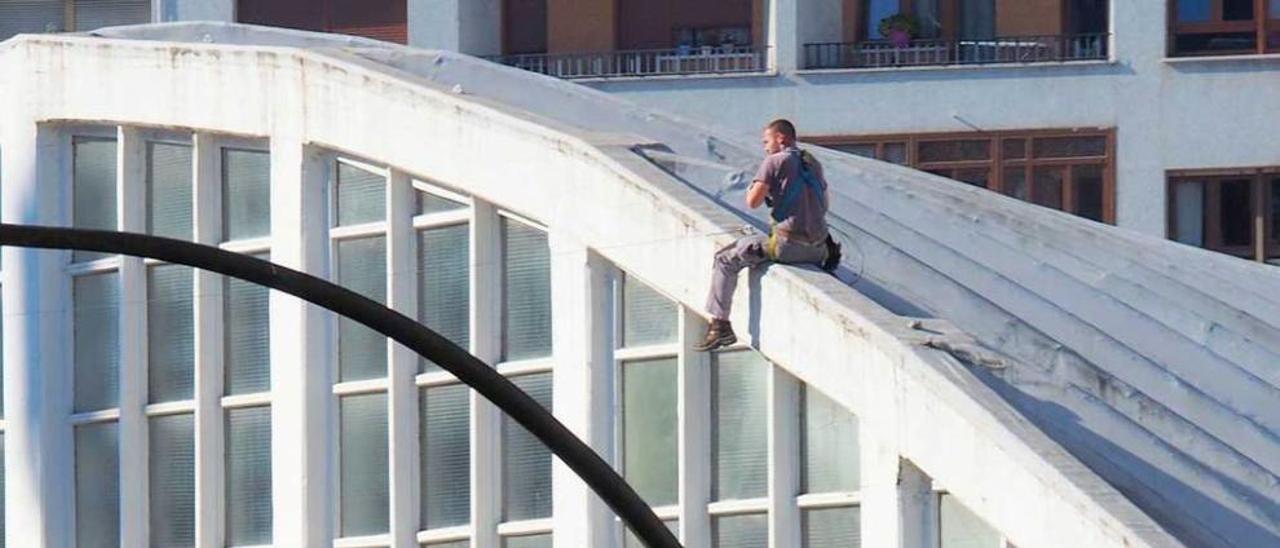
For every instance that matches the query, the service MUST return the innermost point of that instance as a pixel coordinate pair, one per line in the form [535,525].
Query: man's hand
[756,194]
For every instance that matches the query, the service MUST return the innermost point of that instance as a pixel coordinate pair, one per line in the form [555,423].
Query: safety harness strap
[807,180]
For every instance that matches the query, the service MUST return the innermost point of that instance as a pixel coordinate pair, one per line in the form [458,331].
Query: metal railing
[1020,49]
[654,62]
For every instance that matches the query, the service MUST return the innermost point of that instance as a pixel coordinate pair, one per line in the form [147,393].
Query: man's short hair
[783,126]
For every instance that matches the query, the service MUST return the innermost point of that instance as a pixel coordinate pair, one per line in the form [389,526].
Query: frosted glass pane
[526,318]
[630,540]
[247,336]
[1,402]
[649,427]
[1189,210]
[362,267]
[172,447]
[445,445]
[744,531]
[169,190]
[248,453]
[97,486]
[360,196]
[530,541]
[454,544]
[2,489]
[647,316]
[246,194]
[430,203]
[96,345]
[526,462]
[740,448]
[830,445]
[365,496]
[444,290]
[95,14]
[832,528]
[961,528]
[170,333]
[93,187]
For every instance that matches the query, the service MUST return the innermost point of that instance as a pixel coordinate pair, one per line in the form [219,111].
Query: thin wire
[855,261]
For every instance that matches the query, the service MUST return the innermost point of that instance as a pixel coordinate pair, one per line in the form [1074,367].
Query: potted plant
[899,28]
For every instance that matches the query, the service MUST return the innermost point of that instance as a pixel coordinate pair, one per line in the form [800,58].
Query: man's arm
[756,194]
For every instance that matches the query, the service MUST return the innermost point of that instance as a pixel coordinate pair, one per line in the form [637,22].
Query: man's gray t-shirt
[807,219]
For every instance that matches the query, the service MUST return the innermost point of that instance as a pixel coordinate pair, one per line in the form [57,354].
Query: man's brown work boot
[719,335]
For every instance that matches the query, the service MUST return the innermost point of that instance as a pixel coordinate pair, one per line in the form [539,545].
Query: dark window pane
[1015,183]
[1275,208]
[978,177]
[1070,147]
[1236,212]
[1237,10]
[1193,10]
[896,153]
[295,14]
[865,150]
[1015,148]
[1048,186]
[1088,191]
[524,26]
[952,151]
[1215,42]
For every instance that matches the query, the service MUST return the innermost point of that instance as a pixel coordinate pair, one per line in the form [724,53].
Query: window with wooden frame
[386,20]
[1231,211]
[1067,170]
[1223,27]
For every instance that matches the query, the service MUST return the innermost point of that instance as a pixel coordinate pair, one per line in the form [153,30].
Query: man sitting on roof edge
[790,181]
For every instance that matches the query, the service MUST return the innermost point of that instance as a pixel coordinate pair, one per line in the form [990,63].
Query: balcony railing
[1022,49]
[654,62]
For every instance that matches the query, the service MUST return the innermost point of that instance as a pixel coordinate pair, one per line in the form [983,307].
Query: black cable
[467,368]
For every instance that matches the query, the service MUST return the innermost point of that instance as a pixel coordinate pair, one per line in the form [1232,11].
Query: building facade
[1162,128]
[1028,378]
